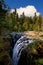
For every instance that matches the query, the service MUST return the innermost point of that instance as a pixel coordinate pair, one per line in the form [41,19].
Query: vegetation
[12,22]
[39,61]
[33,54]
[24,23]
[37,51]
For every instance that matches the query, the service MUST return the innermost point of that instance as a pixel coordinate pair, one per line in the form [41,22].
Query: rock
[6,60]
[4,51]
[29,55]
[26,58]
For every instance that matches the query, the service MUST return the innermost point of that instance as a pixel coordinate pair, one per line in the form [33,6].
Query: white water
[19,46]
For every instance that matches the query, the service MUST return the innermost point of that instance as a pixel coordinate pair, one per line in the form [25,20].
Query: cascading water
[21,43]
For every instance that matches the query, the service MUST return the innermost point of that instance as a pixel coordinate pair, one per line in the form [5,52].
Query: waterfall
[20,44]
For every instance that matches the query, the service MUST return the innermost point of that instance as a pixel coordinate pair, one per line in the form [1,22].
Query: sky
[37,4]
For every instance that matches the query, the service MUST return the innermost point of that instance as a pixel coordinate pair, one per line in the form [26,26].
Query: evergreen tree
[2,15]
[40,22]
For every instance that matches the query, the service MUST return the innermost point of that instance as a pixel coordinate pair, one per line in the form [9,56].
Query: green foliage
[3,23]
[39,61]
[33,44]
[25,23]
[12,22]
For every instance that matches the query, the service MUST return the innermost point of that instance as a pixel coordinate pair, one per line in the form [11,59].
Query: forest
[10,22]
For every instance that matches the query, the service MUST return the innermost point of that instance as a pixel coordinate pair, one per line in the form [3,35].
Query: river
[21,43]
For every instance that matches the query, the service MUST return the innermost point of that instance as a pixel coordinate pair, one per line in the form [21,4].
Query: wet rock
[26,58]
[28,55]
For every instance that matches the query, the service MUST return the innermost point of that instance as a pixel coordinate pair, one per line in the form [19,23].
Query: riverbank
[5,44]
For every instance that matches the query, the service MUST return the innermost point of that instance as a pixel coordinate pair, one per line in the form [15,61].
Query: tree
[31,23]
[2,15]
[26,24]
[40,22]
[3,5]
[35,23]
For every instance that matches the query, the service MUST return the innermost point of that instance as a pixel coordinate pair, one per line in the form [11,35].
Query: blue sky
[23,3]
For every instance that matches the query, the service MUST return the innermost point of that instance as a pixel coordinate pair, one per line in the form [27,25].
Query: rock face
[26,58]
[34,35]
[29,55]
[5,58]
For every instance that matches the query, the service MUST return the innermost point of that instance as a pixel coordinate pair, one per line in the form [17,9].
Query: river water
[21,43]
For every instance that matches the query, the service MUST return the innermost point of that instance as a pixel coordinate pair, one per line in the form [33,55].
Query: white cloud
[28,11]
